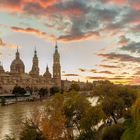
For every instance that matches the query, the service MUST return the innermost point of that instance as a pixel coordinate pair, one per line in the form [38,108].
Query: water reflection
[11,117]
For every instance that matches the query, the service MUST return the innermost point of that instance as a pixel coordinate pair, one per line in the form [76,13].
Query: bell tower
[35,69]
[56,67]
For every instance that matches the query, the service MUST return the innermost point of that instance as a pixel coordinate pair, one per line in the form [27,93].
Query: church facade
[18,77]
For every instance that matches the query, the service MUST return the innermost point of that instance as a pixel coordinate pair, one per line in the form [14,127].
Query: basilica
[18,77]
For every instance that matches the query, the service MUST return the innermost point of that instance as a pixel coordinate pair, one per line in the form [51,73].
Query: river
[11,116]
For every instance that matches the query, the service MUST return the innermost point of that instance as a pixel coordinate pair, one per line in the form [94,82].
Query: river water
[11,116]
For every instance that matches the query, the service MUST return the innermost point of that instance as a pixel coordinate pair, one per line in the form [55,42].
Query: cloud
[108,66]
[66,16]
[93,70]
[119,2]
[76,20]
[72,75]
[133,47]
[137,73]
[81,36]
[135,80]
[82,70]
[120,57]
[106,78]
[134,14]
[11,5]
[135,4]
[105,72]
[123,40]
[34,32]
[135,29]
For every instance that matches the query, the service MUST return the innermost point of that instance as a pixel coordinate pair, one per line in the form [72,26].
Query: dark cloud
[108,66]
[120,57]
[89,16]
[93,70]
[33,8]
[135,29]
[71,75]
[137,73]
[134,14]
[106,72]
[107,78]
[133,47]
[123,40]
[82,70]
[10,2]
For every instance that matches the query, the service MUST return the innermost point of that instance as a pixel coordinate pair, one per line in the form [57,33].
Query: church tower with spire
[56,67]
[35,68]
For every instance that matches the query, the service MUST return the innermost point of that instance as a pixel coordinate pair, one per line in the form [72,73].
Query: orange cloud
[119,2]
[108,66]
[34,32]
[135,5]
[135,81]
[47,3]
[17,5]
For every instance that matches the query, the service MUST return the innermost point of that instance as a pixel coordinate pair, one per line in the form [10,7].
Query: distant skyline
[97,39]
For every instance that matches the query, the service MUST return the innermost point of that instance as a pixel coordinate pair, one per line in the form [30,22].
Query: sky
[97,39]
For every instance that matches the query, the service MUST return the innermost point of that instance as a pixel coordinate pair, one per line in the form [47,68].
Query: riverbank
[8,101]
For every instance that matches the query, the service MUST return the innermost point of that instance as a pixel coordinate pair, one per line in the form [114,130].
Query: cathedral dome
[47,74]
[17,66]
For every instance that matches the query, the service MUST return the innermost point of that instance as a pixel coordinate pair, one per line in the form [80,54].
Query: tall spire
[17,48]
[47,68]
[17,53]
[35,52]
[56,47]
[56,44]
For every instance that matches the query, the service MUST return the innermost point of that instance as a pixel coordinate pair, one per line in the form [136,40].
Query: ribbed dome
[17,65]
[47,74]
[17,62]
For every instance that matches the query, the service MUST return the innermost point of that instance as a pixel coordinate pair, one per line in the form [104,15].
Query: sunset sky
[97,39]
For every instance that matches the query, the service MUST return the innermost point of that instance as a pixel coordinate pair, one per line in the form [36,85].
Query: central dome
[17,66]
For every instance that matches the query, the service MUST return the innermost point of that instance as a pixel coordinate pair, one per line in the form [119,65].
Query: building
[18,77]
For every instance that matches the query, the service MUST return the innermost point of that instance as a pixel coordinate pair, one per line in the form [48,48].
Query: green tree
[80,116]
[74,87]
[115,99]
[132,125]
[31,131]
[113,132]
[18,91]
[54,90]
